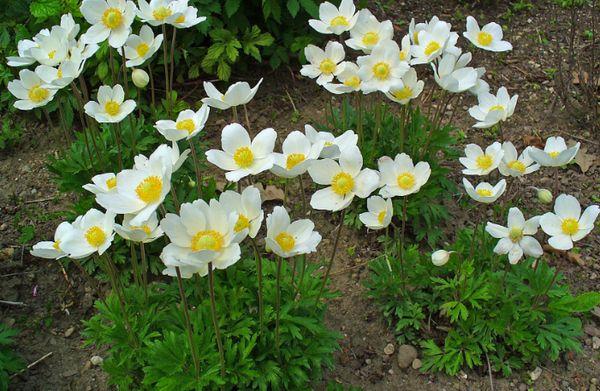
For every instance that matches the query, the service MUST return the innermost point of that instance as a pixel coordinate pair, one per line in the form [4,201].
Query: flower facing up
[159,12]
[169,155]
[516,238]
[109,19]
[382,68]
[514,165]
[186,17]
[332,146]
[102,183]
[567,224]
[400,177]
[484,192]
[323,64]
[139,48]
[189,123]
[237,94]
[111,106]
[368,32]
[478,162]
[51,49]
[492,109]
[440,257]
[30,90]
[240,155]
[53,249]
[555,153]
[488,38]
[91,233]
[349,78]
[453,74]
[344,180]
[298,154]
[379,213]
[248,209]
[407,89]
[431,42]
[290,239]
[146,232]
[334,20]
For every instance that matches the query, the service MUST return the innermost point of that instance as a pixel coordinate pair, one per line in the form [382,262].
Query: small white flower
[139,48]
[175,257]
[514,165]
[102,183]
[400,177]
[30,90]
[159,12]
[405,52]
[453,74]
[298,154]
[52,249]
[492,109]
[332,146]
[349,78]
[431,42]
[51,49]
[488,38]
[290,239]
[109,19]
[567,224]
[187,17]
[334,20]
[60,76]
[380,213]
[407,89]
[111,107]
[381,69]
[479,163]
[237,94]
[248,209]
[189,123]
[555,153]
[91,233]
[146,232]
[516,238]
[24,46]
[440,257]
[169,155]
[368,32]
[323,64]
[484,192]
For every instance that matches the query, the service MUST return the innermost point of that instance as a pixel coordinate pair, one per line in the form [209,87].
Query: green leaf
[293,7]
[311,7]
[231,7]
[223,70]
[44,9]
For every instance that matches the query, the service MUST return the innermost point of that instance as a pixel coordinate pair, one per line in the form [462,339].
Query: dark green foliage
[9,362]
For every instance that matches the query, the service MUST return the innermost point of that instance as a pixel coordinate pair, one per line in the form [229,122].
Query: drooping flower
[567,224]
[288,239]
[453,74]
[555,153]
[159,12]
[189,123]
[248,207]
[349,78]
[323,65]
[111,106]
[478,162]
[332,146]
[237,94]
[30,90]
[102,183]
[90,233]
[368,32]
[298,154]
[52,249]
[405,52]
[484,192]
[139,48]
[382,68]
[379,213]
[514,165]
[489,37]
[492,109]
[407,89]
[146,232]
[169,155]
[109,19]
[333,20]
[400,177]
[431,42]
[186,17]
[516,238]
[440,257]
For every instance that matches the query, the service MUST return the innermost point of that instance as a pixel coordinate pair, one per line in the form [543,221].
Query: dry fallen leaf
[270,193]
[571,256]
[534,141]
[584,160]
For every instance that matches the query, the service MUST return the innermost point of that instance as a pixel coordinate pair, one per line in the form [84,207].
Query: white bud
[140,78]
[440,257]
[544,196]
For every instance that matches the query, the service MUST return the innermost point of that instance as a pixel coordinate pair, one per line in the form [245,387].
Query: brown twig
[33,364]
[15,303]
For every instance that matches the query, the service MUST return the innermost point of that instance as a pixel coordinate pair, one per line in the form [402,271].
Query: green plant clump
[9,362]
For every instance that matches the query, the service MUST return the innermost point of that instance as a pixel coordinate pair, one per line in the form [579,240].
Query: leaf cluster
[9,361]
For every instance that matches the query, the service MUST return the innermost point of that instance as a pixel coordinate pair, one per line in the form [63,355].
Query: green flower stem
[137,276]
[213,310]
[172,61]
[301,279]
[335,246]
[359,125]
[303,192]
[196,167]
[166,66]
[152,90]
[260,282]
[126,83]
[144,269]
[402,233]
[277,303]
[344,113]
[117,130]
[235,114]
[188,324]
[85,124]
[247,118]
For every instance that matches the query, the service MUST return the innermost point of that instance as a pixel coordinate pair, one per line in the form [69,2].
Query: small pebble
[595,343]
[69,332]
[96,360]
[535,374]
[416,364]
[389,349]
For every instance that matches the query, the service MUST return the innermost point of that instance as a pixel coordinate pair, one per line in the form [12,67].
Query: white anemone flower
[237,94]
[248,209]
[481,85]
[415,28]
[241,156]
[332,146]
[516,238]
[91,233]
[52,249]
[400,177]
[24,46]
[168,154]
[30,90]
[139,48]
[186,17]
[489,37]
[189,123]
[344,180]
[478,162]
[492,109]
[298,154]
[368,32]
[333,20]
[146,232]
[51,49]
[567,224]
[288,239]
[484,192]
[110,19]
[405,49]
[60,76]
[323,65]
[379,213]
[174,257]
[349,78]
[71,28]
[555,153]
[431,43]
[407,89]
[514,165]
[102,183]
[159,12]
[382,68]
[451,47]
[453,74]
[111,106]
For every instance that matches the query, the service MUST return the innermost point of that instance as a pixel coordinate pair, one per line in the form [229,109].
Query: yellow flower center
[497,108]
[51,54]
[517,165]
[161,13]
[111,183]
[416,37]
[381,70]
[515,234]
[569,226]
[59,73]
[553,154]
[342,183]
[381,216]
[327,66]
[144,228]
[38,94]
[294,159]
[180,19]
[484,192]
[186,124]
[207,240]
[241,224]
[243,157]
[112,18]
[285,241]
[370,39]
[95,236]
[484,161]
[339,21]
[403,55]
[149,190]
[484,39]
[403,93]
[142,49]
[56,245]
[353,82]
[406,180]
[112,108]
[328,143]
[432,47]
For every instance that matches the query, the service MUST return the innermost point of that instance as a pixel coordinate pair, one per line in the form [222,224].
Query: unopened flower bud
[191,183]
[140,78]
[440,257]
[544,196]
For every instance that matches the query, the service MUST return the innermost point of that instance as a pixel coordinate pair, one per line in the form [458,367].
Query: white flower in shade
[146,232]
[237,94]
[567,224]
[481,85]
[67,23]
[170,155]
[492,109]
[52,249]
[240,155]
[453,74]
[30,90]
[109,19]
[489,37]
[484,192]
[555,153]
[202,233]
[174,257]
[451,47]
[189,123]
[323,64]
[379,213]
[431,42]
[91,233]
[111,107]
[139,192]
[332,146]
[186,17]
[407,89]
[514,165]
[405,49]
[24,46]
[298,154]
[344,180]
[440,257]
[102,183]
[60,76]
[349,78]
[382,68]
[51,49]
[333,20]
[516,238]
[290,239]
[248,209]
[368,32]
[139,48]
[400,177]
[158,12]
[478,162]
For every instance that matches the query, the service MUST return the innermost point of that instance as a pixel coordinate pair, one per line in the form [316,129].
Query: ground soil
[57,300]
